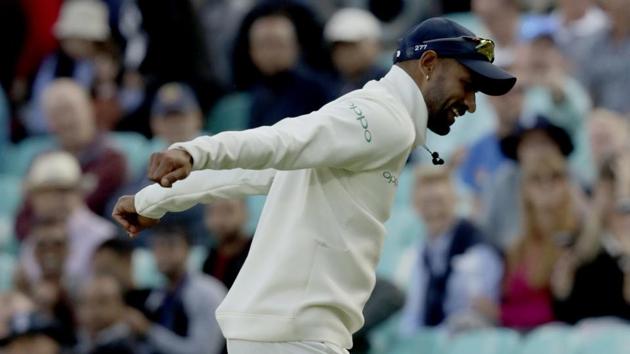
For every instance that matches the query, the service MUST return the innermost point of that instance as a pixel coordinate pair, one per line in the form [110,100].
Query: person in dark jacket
[225,219]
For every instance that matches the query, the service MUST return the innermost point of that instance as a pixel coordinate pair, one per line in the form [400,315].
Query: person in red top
[225,219]
[549,213]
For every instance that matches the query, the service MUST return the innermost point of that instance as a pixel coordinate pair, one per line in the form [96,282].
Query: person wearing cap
[175,114]
[534,137]
[81,27]
[355,37]
[175,117]
[54,187]
[180,314]
[330,178]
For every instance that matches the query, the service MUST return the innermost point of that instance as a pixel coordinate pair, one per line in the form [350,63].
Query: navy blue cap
[174,98]
[451,40]
[509,144]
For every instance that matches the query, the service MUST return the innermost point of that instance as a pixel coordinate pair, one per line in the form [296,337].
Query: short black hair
[118,245]
[170,230]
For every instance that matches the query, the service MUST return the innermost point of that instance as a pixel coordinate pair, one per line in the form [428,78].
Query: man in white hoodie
[330,178]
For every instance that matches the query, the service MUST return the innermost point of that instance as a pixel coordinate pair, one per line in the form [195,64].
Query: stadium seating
[136,149]
[487,341]
[550,339]
[11,192]
[230,113]
[18,158]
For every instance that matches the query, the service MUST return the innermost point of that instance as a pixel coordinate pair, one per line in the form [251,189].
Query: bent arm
[202,187]
[355,133]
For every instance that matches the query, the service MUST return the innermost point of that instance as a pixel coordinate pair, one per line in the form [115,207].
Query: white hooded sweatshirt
[330,178]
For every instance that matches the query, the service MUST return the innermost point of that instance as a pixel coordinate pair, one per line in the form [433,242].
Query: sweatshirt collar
[402,86]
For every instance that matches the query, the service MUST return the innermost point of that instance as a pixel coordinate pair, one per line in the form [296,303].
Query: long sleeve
[354,133]
[202,187]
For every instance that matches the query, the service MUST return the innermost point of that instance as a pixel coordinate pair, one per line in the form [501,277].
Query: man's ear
[428,62]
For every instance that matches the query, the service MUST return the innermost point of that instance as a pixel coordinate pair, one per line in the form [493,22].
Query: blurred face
[352,59]
[170,254]
[574,9]
[617,10]
[51,248]
[70,115]
[226,218]
[546,188]
[107,262]
[488,9]
[608,132]
[78,48]
[177,127]
[54,203]
[273,44]
[508,108]
[535,144]
[100,304]
[448,94]
[436,201]
[36,344]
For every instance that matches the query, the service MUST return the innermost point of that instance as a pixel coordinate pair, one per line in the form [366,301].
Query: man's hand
[169,166]
[125,214]
[136,321]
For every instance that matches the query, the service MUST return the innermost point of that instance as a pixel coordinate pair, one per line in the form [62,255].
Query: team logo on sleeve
[367,134]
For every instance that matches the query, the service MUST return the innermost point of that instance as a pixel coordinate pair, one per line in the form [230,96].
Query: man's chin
[440,130]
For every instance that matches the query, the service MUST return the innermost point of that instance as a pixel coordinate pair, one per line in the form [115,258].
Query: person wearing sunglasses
[330,178]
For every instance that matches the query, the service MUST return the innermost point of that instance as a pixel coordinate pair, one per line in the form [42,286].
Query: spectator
[552,92]
[182,312]
[502,212]
[602,60]
[454,269]
[226,219]
[71,118]
[114,257]
[50,293]
[355,37]
[575,21]
[165,43]
[285,88]
[307,28]
[31,333]
[592,278]
[106,94]
[549,218]
[608,132]
[175,114]
[502,19]
[53,187]
[175,117]
[101,312]
[81,28]
[484,158]
[13,304]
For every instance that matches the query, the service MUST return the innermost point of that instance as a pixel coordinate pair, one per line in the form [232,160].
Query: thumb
[168,180]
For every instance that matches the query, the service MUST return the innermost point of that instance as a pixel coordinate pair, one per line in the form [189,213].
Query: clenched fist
[126,215]
[169,166]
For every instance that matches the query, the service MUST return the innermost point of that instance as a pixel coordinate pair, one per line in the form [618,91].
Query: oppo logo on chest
[367,134]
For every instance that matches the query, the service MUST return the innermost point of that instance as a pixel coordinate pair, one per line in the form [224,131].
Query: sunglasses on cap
[464,47]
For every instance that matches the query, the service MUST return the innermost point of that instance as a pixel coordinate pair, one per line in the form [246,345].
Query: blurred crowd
[527,224]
